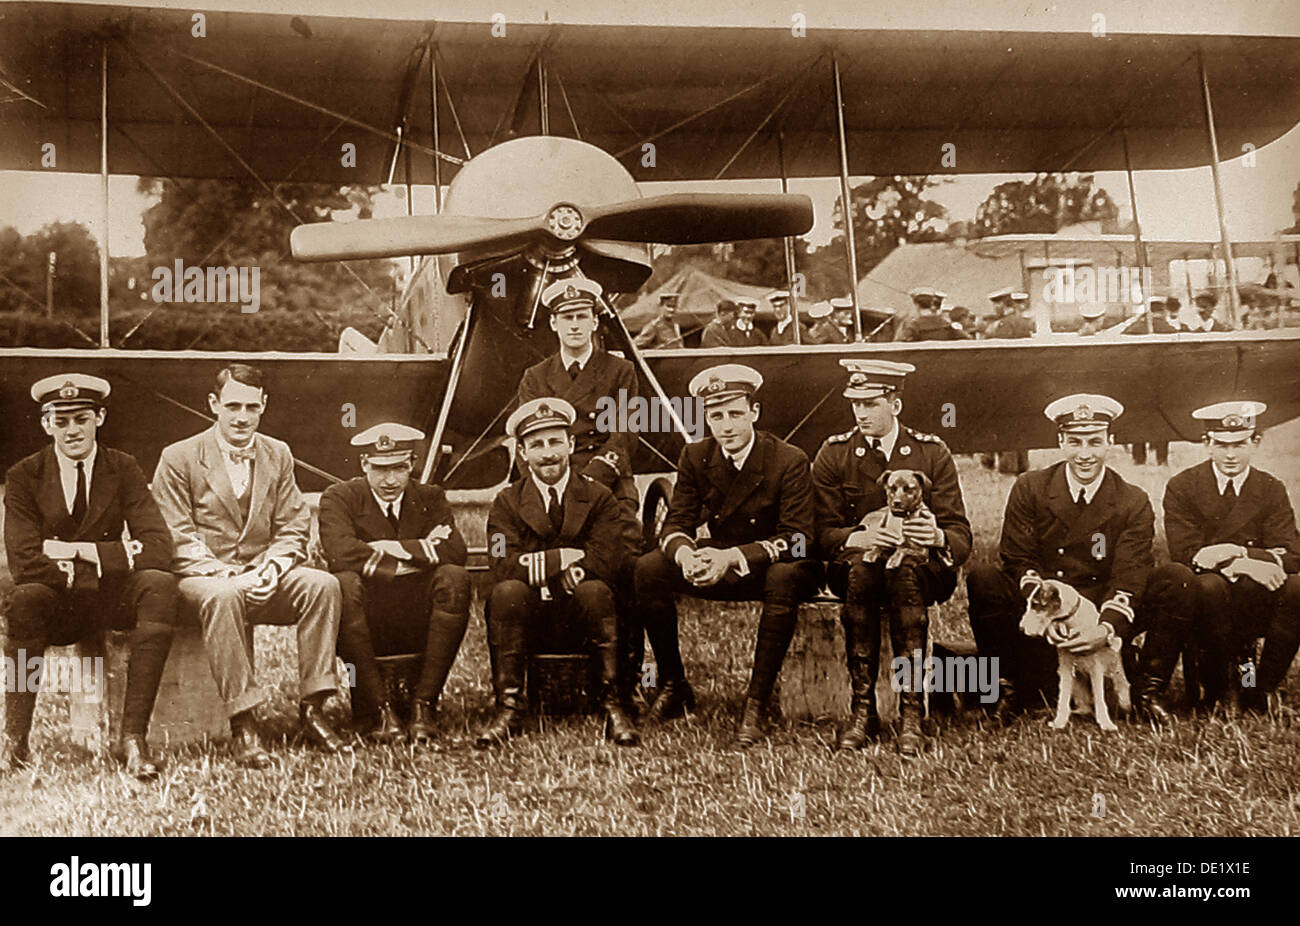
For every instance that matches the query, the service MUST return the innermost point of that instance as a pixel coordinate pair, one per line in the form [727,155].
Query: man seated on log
[1077,522]
[853,532]
[393,545]
[89,551]
[240,527]
[555,545]
[1235,550]
[752,491]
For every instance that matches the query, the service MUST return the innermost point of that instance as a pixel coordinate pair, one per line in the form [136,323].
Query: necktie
[574,370]
[241,455]
[391,516]
[556,512]
[79,495]
[1082,500]
[1229,491]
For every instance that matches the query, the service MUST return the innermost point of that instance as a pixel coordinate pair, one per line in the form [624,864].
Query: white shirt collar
[738,458]
[383,505]
[784,324]
[583,359]
[68,473]
[228,448]
[1089,490]
[887,441]
[1237,481]
[544,489]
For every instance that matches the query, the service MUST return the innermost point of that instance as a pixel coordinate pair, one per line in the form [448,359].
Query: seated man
[1235,550]
[1076,522]
[89,552]
[240,528]
[927,324]
[748,334]
[849,501]
[555,543]
[787,329]
[822,329]
[664,331]
[393,545]
[753,492]
[722,331]
[1011,321]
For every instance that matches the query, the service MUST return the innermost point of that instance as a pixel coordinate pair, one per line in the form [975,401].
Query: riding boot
[442,643]
[150,642]
[618,726]
[862,652]
[20,705]
[911,704]
[1164,641]
[751,723]
[509,665]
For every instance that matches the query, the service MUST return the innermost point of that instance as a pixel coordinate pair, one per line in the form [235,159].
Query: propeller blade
[414,234]
[699,218]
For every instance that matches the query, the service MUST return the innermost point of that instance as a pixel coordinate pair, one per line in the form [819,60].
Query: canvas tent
[700,293]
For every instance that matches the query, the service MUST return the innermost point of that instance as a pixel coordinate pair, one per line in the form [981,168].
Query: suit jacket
[523,545]
[1261,519]
[194,493]
[35,511]
[604,454]
[766,509]
[660,333]
[1104,551]
[844,475]
[350,518]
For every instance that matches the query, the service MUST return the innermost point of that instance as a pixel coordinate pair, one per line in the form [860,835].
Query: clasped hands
[258,585]
[1231,561]
[708,566]
[921,529]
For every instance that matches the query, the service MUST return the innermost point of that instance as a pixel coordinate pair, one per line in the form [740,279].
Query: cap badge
[1082,413]
[570,292]
[858,379]
[715,384]
[384,442]
[1234,421]
[68,391]
[543,410]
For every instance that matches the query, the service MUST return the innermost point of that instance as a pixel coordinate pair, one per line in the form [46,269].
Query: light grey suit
[215,542]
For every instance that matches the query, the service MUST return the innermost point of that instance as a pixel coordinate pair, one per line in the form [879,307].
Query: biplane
[540,134]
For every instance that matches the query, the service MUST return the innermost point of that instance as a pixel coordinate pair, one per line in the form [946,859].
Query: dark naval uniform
[1011,326]
[424,609]
[928,326]
[716,334]
[1102,549]
[786,335]
[1225,615]
[59,603]
[662,333]
[766,510]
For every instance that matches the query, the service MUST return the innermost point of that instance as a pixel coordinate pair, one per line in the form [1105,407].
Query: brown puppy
[1055,602]
[905,492]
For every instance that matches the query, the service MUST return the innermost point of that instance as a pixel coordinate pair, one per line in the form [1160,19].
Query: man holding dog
[1077,522]
[1236,553]
[555,548]
[393,545]
[848,476]
[753,492]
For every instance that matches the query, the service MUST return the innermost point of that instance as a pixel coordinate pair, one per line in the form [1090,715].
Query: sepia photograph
[557,418]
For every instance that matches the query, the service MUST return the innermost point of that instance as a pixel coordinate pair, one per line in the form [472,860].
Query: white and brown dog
[905,491]
[1051,602]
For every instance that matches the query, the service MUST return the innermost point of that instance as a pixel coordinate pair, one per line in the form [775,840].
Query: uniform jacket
[765,509]
[350,518]
[660,333]
[211,537]
[825,331]
[787,336]
[930,327]
[1104,553]
[603,455]
[35,511]
[1261,520]
[1011,326]
[529,545]
[716,334]
[844,475]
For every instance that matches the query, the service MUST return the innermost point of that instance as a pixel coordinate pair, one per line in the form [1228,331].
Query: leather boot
[910,707]
[509,664]
[150,643]
[1164,641]
[421,728]
[317,729]
[751,723]
[618,726]
[19,707]
[135,758]
[246,742]
[862,651]
[907,633]
[387,728]
[674,699]
[442,643]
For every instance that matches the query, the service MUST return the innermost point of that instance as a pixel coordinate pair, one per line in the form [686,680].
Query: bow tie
[244,455]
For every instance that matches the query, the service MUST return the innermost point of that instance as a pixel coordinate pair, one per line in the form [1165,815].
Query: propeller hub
[564,221]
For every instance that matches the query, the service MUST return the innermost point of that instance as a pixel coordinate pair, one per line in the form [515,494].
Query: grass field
[1201,777]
